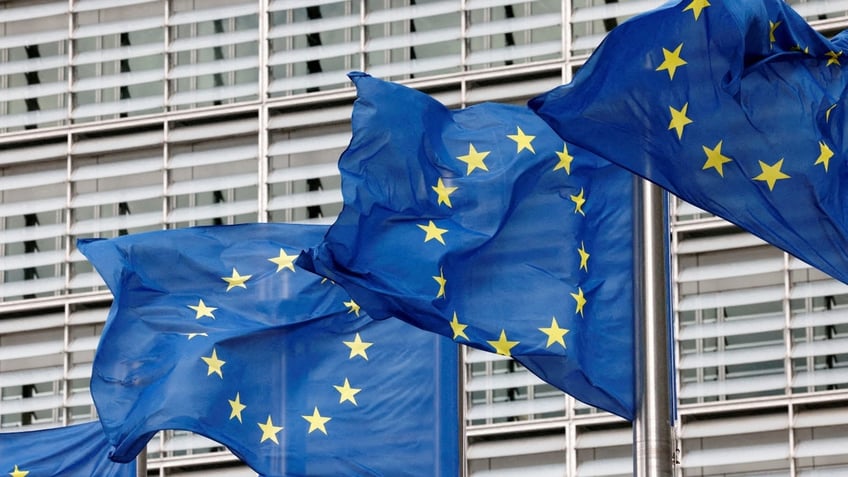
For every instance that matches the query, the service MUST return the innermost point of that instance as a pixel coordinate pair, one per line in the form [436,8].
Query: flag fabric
[215,330]
[480,224]
[737,107]
[79,450]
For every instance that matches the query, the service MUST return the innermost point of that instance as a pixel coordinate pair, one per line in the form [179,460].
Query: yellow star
[194,335]
[458,328]
[580,299]
[824,155]
[833,57]
[284,261]
[771,174]
[18,472]
[433,232]
[237,407]
[715,159]
[564,159]
[696,6]
[236,280]
[827,113]
[555,333]
[347,393]
[352,307]
[202,310]
[474,159]
[679,120]
[357,347]
[269,431]
[214,364]
[444,192]
[502,345]
[772,27]
[584,257]
[579,200]
[440,279]
[522,140]
[806,49]
[671,61]
[316,421]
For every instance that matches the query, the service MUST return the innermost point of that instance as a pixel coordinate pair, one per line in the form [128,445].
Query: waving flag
[80,450]
[216,331]
[482,225]
[737,107]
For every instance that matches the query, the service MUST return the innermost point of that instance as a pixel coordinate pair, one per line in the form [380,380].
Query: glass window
[34,76]
[312,48]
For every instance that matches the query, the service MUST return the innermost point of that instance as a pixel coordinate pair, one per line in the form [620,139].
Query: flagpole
[652,456]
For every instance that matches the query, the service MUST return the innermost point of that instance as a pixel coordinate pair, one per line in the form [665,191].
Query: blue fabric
[766,97]
[281,337]
[80,450]
[507,264]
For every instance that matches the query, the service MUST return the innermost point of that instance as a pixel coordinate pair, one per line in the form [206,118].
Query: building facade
[126,116]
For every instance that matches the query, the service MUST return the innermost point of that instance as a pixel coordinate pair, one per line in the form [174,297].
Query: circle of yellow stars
[475,160]
[215,364]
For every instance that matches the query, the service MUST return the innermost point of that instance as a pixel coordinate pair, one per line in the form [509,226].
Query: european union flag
[738,107]
[80,450]
[482,225]
[216,331]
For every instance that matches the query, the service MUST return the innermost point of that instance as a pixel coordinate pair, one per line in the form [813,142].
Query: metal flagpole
[652,455]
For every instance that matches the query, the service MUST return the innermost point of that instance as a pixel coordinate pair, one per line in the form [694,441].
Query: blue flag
[80,450]
[482,225]
[737,107]
[216,331]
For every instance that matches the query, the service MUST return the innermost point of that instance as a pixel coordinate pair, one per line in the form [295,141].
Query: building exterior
[127,116]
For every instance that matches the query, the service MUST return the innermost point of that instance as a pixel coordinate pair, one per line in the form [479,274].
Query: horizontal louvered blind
[312,45]
[86,60]
[753,321]
[590,20]
[303,175]
[34,52]
[45,365]
[124,58]
[32,218]
[213,178]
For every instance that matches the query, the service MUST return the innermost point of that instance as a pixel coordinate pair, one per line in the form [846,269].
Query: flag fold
[215,330]
[79,450]
[482,225]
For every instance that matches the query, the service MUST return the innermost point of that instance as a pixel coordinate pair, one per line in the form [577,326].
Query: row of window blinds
[753,322]
[200,471]
[500,390]
[571,450]
[88,60]
[81,61]
[604,452]
[311,48]
[45,365]
[178,174]
[761,443]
